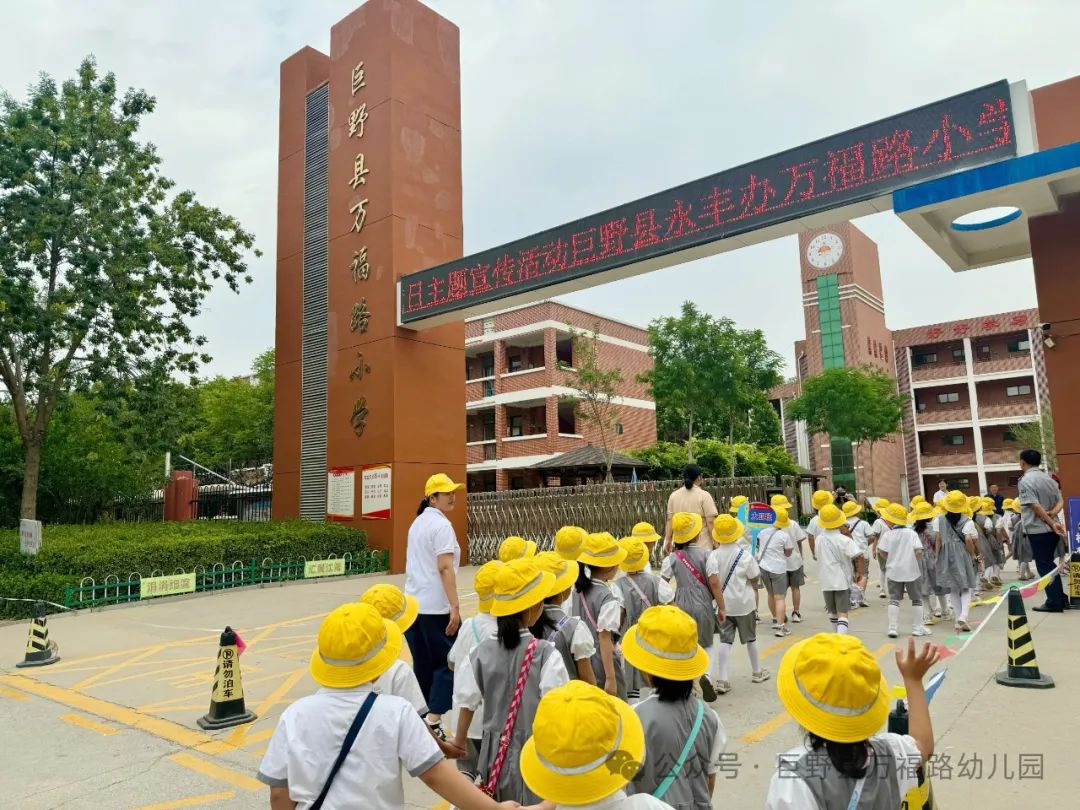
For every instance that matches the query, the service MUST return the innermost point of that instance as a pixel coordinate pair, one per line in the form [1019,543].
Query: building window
[923,358]
[948,396]
[1008,436]
[1022,345]
[487,366]
[489,325]
[514,362]
[958,483]
[517,482]
[1018,391]
[984,351]
[516,424]
[920,405]
[618,428]
[1013,481]
[832,335]
[958,355]
[953,439]
[489,388]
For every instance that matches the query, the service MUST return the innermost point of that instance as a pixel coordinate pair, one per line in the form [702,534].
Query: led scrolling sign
[871,161]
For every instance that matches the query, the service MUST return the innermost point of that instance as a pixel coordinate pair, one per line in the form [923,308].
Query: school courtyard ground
[112,725]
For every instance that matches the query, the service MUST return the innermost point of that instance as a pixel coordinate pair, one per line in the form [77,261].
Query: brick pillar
[500,364]
[552,405]
[552,375]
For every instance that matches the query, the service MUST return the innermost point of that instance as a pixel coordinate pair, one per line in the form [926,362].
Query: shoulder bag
[346,746]
[662,788]
[511,720]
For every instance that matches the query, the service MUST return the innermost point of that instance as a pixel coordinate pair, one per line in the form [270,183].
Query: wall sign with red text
[865,163]
[375,491]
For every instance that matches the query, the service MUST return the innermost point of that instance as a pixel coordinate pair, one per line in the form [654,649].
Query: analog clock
[824,250]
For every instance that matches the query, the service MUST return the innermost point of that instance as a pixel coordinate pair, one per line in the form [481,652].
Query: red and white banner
[341,493]
[375,491]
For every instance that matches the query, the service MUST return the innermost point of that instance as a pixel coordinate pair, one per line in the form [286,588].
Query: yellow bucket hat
[645,532]
[917,500]
[1014,505]
[637,555]
[564,571]
[664,642]
[568,541]
[355,645]
[484,582]
[782,521]
[820,499]
[922,511]
[896,514]
[727,529]
[851,509]
[986,506]
[516,548]
[833,687]
[780,500]
[519,585]
[685,526]
[830,517]
[601,550]
[955,502]
[585,745]
[440,482]
[393,604]
[880,504]
[735,503]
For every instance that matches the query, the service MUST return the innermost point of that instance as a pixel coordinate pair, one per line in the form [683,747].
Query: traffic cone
[1023,669]
[227,699]
[39,650]
[920,797]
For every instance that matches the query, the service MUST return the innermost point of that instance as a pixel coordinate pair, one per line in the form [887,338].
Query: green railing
[115,591]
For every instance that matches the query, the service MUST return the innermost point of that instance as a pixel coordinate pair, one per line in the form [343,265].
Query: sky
[569,108]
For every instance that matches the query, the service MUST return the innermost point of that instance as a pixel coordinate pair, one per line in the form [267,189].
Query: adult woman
[690,497]
[431,562]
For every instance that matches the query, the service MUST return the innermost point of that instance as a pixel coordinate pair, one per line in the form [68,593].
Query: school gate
[372,288]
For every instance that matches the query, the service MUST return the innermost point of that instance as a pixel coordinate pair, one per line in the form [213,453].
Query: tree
[707,375]
[1038,436]
[666,459]
[595,391]
[860,405]
[101,265]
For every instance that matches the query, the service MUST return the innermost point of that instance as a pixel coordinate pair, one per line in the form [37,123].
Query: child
[647,534]
[819,500]
[860,533]
[1018,540]
[568,542]
[732,569]
[920,519]
[513,670]
[356,645]
[399,678]
[569,634]
[595,601]
[796,573]
[687,564]
[833,687]
[639,591]
[902,550]
[774,548]
[877,531]
[956,558]
[663,644]
[836,550]
[516,548]
[584,748]
[991,549]
[472,631]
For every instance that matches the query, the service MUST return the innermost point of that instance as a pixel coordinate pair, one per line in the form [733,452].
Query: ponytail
[424,504]
[584,579]
[509,630]
[849,759]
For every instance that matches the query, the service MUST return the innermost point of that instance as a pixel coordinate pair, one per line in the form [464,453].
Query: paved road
[112,725]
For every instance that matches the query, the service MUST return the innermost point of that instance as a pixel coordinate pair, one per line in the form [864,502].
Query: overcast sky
[571,107]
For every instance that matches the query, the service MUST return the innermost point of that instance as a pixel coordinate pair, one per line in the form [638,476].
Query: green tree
[666,459]
[1038,436]
[102,265]
[707,375]
[595,391]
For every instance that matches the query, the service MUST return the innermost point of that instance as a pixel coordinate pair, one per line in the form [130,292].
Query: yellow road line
[11,694]
[69,664]
[219,772]
[240,732]
[85,682]
[784,642]
[259,736]
[443,805]
[189,694]
[164,729]
[141,675]
[87,723]
[191,801]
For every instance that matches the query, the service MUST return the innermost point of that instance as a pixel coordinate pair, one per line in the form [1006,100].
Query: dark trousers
[1043,546]
[429,646]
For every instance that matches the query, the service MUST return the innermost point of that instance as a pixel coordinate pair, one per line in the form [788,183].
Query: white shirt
[901,544]
[797,535]
[467,691]
[620,801]
[789,792]
[610,617]
[773,545]
[739,594]
[430,535]
[834,553]
[400,680]
[473,631]
[937,527]
[939,495]
[860,533]
[879,528]
[308,739]
[813,528]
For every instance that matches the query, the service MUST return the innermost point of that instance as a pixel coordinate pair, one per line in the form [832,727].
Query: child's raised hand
[914,665]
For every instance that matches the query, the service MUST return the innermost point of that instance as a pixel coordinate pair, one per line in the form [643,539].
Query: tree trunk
[690,441]
[870,466]
[31,476]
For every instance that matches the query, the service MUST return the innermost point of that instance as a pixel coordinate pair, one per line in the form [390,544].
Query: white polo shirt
[739,594]
[773,543]
[308,739]
[797,535]
[400,680]
[430,535]
[620,801]
[901,544]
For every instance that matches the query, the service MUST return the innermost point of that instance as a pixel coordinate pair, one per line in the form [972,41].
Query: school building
[966,383]
[521,432]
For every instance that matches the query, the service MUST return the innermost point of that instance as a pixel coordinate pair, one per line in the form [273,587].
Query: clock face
[824,250]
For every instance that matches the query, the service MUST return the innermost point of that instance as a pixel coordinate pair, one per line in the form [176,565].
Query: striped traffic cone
[1023,669]
[39,650]
[227,698]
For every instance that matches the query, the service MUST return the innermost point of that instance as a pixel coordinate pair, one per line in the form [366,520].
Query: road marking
[781,644]
[87,723]
[240,732]
[190,694]
[164,729]
[219,772]
[85,682]
[191,801]
[443,805]
[11,694]
[259,736]
[141,675]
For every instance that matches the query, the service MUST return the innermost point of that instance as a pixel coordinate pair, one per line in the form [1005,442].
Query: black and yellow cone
[227,699]
[1074,580]
[1023,669]
[39,650]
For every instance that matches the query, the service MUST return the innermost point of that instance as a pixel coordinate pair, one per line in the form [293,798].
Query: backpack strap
[731,570]
[692,569]
[662,788]
[641,594]
[511,720]
[346,746]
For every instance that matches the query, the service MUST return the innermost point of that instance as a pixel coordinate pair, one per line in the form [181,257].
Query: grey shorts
[775,584]
[746,626]
[796,578]
[897,589]
[838,601]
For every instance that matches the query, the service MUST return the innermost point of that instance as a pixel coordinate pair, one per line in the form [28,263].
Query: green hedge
[69,553]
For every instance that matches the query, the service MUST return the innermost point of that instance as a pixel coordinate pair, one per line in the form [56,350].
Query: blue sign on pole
[758,516]
[1072,511]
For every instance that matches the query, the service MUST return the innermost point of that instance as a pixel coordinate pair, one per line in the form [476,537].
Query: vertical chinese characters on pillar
[359,266]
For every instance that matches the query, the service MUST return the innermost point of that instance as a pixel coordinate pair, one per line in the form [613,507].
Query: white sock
[841,626]
[894,614]
[714,657]
[917,618]
[965,602]
[942,603]
[723,659]
[755,661]
[954,603]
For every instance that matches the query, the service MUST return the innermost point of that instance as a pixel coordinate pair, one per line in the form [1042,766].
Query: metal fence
[115,591]
[538,513]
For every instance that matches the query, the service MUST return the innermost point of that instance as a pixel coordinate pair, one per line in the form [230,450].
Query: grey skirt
[954,570]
